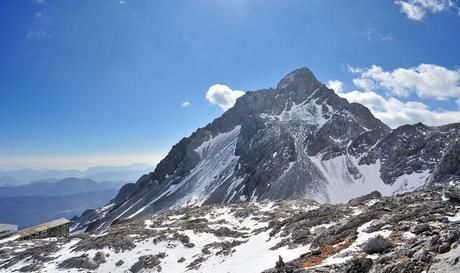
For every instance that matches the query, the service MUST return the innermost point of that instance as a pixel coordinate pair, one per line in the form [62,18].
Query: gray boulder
[378,244]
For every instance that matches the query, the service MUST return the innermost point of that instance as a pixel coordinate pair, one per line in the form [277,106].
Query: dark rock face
[448,169]
[366,198]
[359,265]
[415,148]
[148,262]
[81,262]
[300,140]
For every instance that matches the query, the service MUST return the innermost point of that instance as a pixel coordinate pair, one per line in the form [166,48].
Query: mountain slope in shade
[298,140]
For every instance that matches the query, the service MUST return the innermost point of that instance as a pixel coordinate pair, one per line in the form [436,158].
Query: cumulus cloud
[223,96]
[394,112]
[335,85]
[185,104]
[417,9]
[425,80]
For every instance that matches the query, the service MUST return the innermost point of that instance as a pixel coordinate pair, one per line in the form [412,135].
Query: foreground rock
[410,233]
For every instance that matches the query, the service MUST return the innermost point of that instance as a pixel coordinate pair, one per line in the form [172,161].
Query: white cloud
[39,35]
[364,84]
[412,11]
[417,9]
[335,85]
[122,2]
[394,112]
[354,70]
[425,80]
[185,104]
[223,95]
[40,1]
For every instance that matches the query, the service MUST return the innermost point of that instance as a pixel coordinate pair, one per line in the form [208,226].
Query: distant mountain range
[62,187]
[97,173]
[9,181]
[45,200]
[26,211]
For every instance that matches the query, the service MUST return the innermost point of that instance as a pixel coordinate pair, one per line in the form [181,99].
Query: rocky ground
[413,232]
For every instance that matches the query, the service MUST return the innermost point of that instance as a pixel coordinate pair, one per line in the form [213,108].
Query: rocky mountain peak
[299,79]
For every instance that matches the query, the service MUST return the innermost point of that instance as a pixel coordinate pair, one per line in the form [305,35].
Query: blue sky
[115,82]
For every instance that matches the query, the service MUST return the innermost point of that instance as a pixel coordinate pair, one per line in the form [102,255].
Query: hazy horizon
[78,163]
[84,167]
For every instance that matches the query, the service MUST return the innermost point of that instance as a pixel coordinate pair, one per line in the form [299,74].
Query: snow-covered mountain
[298,140]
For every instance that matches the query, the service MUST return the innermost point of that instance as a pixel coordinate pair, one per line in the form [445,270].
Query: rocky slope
[298,140]
[412,232]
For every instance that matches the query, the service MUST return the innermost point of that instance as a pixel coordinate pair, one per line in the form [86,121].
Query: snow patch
[343,185]
[455,218]
[308,111]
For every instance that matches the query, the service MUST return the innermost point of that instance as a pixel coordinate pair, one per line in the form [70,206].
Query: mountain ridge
[23,176]
[66,186]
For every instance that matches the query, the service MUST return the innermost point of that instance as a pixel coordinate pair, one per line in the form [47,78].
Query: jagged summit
[300,140]
[302,78]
